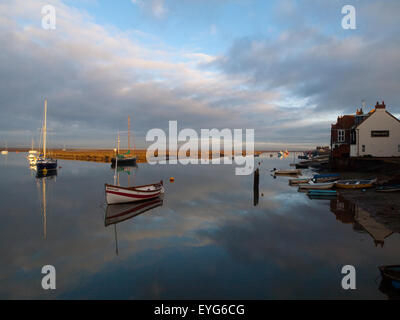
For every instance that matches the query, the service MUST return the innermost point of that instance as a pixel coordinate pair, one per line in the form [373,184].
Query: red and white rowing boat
[116,194]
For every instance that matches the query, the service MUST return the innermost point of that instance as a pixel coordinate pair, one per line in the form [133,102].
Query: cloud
[333,69]
[157,8]
[288,85]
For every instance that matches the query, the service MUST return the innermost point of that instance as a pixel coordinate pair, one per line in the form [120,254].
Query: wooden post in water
[256,186]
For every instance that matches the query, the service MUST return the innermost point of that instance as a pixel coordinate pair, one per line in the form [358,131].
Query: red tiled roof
[344,122]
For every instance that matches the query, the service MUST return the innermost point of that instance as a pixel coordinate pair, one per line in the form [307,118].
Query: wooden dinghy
[117,213]
[355,184]
[317,186]
[389,188]
[288,172]
[116,194]
[296,182]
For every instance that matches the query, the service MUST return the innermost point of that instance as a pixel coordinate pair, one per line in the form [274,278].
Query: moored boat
[117,194]
[43,163]
[313,196]
[126,159]
[320,191]
[355,184]
[295,182]
[326,176]
[319,186]
[288,172]
[32,159]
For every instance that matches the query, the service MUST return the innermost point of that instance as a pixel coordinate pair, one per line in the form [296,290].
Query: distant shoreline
[105,155]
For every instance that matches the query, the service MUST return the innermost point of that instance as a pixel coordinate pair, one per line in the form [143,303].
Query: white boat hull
[317,186]
[116,195]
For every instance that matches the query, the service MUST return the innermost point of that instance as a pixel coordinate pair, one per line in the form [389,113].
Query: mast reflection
[42,181]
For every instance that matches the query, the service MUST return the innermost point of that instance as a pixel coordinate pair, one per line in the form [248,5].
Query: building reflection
[361,219]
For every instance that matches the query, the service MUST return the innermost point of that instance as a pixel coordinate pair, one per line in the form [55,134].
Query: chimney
[380,106]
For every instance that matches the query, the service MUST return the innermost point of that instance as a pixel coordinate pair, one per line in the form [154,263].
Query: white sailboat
[32,156]
[5,152]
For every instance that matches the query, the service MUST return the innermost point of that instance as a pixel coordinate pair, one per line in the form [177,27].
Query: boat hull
[124,162]
[317,186]
[355,184]
[47,164]
[117,195]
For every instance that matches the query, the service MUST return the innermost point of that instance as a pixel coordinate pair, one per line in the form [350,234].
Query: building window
[341,136]
[398,148]
[380,133]
[363,148]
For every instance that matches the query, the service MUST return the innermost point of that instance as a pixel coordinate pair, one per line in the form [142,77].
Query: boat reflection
[46,174]
[362,220]
[118,213]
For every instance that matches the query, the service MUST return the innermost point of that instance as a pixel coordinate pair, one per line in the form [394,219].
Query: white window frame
[341,135]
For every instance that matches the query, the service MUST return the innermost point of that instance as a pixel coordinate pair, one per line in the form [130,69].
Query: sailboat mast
[45,128]
[118,143]
[129,133]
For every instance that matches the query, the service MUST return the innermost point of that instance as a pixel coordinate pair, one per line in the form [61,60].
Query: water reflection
[362,220]
[42,181]
[118,213]
[206,233]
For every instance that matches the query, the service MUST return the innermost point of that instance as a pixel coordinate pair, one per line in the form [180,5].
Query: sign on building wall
[380,133]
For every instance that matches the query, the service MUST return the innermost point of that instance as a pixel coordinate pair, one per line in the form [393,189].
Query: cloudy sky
[285,68]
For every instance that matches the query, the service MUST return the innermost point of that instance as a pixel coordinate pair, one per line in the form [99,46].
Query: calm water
[207,240]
